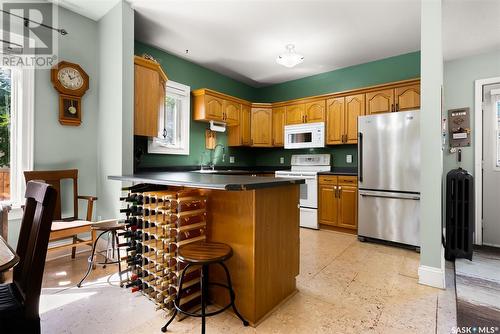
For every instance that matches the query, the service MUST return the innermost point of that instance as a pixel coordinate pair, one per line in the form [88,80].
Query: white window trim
[182,90]
[495,102]
[22,134]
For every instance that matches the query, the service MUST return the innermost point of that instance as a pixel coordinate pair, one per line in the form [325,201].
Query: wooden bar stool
[204,254]
[110,227]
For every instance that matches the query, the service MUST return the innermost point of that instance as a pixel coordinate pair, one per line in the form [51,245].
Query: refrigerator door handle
[370,193]
[360,153]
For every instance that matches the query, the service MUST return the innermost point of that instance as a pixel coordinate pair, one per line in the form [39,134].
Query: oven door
[308,190]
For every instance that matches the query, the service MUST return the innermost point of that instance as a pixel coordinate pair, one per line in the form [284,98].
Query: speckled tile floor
[344,286]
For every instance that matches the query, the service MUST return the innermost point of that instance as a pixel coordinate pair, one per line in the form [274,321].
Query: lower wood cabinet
[338,201]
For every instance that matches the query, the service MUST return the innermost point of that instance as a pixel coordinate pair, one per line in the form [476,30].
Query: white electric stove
[307,166]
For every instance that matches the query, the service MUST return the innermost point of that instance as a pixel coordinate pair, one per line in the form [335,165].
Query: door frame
[478,155]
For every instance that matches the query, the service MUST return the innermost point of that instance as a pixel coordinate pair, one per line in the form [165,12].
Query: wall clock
[71,81]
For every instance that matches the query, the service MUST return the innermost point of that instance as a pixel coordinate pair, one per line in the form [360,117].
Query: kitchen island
[259,218]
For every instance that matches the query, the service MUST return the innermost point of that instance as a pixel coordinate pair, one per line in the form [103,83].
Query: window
[173,124]
[16,132]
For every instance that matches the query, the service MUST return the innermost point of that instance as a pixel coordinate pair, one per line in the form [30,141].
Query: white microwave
[305,135]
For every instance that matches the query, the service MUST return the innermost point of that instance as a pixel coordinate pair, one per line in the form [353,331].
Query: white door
[491,165]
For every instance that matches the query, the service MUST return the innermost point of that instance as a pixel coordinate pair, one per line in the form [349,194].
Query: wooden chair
[70,227]
[19,300]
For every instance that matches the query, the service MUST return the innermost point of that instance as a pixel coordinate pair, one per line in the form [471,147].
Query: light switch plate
[231,160]
[348,158]
[282,160]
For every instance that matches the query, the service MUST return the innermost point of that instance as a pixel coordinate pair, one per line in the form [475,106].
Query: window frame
[184,92]
[495,100]
[21,135]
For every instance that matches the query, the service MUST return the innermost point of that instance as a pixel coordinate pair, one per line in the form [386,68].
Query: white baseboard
[431,276]
[491,245]
[66,252]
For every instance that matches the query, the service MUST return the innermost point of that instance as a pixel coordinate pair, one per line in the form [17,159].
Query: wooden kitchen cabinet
[394,99]
[379,102]
[214,108]
[315,111]
[338,201]
[240,135]
[262,129]
[407,97]
[278,126]
[335,109]
[310,112]
[328,204]
[342,119]
[231,112]
[209,105]
[348,206]
[295,114]
[149,96]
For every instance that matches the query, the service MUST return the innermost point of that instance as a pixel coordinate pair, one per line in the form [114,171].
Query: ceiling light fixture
[290,58]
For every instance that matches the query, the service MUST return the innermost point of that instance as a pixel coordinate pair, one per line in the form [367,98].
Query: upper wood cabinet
[261,123]
[310,112]
[149,96]
[231,112]
[407,97]
[335,114]
[315,111]
[214,108]
[278,126]
[354,107]
[210,105]
[240,135]
[395,99]
[295,114]
[342,119]
[381,101]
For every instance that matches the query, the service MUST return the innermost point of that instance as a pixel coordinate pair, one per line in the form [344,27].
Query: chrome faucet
[212,157]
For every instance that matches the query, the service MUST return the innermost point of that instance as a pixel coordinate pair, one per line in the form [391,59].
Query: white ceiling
[470,27]
[241,39]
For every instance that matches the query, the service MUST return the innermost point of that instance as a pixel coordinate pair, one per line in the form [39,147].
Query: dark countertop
[207,181]
[238,169]
[351,171]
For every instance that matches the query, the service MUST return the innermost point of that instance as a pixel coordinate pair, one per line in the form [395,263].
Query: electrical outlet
[282,160]
[231,160]
[348,158]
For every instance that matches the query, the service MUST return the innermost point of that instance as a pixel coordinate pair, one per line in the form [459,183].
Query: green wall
[396,68]
[406,66]
[195,76]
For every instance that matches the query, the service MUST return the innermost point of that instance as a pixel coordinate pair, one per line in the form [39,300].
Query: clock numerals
[70,78]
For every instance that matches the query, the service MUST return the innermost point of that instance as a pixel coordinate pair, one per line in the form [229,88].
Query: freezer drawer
[389,216]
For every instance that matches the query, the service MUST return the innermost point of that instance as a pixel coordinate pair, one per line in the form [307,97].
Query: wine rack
[159,221]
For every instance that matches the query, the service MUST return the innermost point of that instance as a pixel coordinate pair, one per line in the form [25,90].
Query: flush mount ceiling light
[290,58]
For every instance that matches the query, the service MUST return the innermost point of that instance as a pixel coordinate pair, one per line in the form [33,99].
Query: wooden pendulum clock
[71,81]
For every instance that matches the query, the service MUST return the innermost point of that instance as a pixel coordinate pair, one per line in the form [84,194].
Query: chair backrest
[33,242]
[54,178]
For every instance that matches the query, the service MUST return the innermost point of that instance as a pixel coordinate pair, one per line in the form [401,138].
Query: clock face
[70,78]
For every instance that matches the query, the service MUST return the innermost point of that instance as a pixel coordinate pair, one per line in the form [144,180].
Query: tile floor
[344,286]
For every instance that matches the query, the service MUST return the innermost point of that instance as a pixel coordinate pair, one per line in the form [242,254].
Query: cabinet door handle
[305,117]
[340,191]
[335,191]
[392,107]
[397,106]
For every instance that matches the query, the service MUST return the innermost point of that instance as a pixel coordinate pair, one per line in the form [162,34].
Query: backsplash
[243,156]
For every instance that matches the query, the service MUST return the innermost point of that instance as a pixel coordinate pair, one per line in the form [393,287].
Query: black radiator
[459,214]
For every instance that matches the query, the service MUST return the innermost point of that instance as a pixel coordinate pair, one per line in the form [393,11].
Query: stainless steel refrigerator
[389,177]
